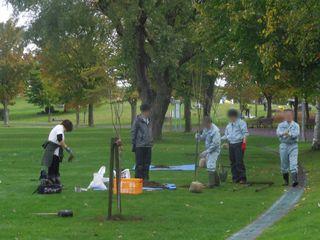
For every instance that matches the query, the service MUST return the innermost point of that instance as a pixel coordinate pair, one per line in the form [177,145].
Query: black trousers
[238,168]
[143,161]
[53,170]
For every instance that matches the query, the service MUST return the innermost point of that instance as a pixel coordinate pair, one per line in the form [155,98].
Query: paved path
[278,210]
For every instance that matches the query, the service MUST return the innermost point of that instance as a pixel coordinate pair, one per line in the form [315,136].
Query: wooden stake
[111,166]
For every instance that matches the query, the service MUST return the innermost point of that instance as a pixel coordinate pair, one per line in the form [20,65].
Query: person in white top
[54,147]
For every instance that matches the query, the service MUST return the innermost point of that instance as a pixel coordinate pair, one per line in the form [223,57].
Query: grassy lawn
[214,214]
[178,214]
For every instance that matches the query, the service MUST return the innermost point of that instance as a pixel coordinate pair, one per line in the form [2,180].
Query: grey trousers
[289,157]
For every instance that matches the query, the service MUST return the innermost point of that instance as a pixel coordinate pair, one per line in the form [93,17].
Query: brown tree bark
[5,112]
[90,115]
[133,106]
[187,114]
[269,106]
[208,98]
[316,134]
[307,112]
[77,116]
[295,108]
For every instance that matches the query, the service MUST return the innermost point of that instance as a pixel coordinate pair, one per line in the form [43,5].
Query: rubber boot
[286,179]
[216,179]
[294,177]
[212,179]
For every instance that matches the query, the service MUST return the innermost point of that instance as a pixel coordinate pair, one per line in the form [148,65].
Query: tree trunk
[187,114]
[5,113]
[269,106]
[256,108]
[133,105]
[160,98]
[90,115]
[161,103]
[295,107]
[316,134]
[303,120]
[307,113]
[208,99]
[49,114]
[77,116]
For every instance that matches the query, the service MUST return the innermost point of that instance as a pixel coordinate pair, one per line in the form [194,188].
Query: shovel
[61,213]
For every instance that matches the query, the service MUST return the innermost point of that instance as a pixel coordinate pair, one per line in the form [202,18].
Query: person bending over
[53,151]
[288,133]
[236,134]
[211,135]
[142,141]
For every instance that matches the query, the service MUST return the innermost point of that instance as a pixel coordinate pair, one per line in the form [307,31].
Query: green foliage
[12,64]
[37,91]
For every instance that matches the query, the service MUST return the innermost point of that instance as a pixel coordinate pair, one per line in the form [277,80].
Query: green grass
[178,214]
[214,214]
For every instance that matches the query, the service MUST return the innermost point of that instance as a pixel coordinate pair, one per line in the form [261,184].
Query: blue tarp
[187,167]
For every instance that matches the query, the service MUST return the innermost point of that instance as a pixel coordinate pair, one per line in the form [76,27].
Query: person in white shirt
[54,147]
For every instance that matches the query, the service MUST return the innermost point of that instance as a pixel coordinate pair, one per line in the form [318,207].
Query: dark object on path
[62,213]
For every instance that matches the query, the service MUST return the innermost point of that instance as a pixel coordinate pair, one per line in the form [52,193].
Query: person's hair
[68,125]
[288,110]
[233,113]
[145,107]
[207,119]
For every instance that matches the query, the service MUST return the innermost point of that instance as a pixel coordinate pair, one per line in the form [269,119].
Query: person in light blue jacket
[288,133]
[236,134]
[211,136]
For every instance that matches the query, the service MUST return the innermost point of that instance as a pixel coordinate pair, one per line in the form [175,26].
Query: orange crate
[129,186]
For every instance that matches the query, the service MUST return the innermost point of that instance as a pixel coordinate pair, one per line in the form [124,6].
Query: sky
[6,12]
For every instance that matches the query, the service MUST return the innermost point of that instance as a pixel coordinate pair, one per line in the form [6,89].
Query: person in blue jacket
[211,136]
[288,133]
[236,134]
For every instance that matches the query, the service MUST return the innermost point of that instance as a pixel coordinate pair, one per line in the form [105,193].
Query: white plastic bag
[98,180]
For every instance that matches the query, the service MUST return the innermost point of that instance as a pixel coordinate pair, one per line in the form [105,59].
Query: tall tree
[155,40]
[292,46]
[12,64]
[74,50]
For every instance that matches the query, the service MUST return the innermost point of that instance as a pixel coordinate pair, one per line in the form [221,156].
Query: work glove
[133,148]
[71,155]
[244,145]
[203,154]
